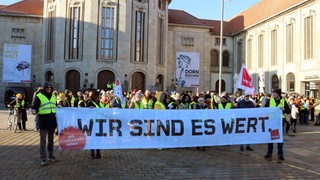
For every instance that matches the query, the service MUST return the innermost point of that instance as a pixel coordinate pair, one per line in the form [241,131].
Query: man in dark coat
[44,106]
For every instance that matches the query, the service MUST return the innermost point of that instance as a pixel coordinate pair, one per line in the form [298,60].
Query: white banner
[16,63]
[103,128]
[187,69]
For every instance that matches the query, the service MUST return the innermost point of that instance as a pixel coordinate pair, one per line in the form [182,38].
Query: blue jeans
[280,148]
[304,116]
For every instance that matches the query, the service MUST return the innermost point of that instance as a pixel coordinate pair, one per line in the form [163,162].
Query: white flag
[118,90]
[245,80]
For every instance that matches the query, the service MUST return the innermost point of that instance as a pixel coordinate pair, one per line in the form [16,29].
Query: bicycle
[14,119]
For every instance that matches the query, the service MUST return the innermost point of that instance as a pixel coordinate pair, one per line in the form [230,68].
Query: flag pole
[221,41]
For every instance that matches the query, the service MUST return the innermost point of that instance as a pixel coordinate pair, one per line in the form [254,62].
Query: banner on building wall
[16,63]
[114,128]
[187,69]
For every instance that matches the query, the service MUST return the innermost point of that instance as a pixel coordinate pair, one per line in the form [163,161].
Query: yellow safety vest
[147,105]
[138,106]
[73,99]
[81,102]
[47,106]
[273,104]
[228,106]
[158,103]
[107,105]
[19,105]
[183,105]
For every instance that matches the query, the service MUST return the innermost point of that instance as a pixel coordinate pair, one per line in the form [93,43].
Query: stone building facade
[279,47]
[19,25]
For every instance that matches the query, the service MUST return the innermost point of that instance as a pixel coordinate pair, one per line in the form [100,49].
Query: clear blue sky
[7,2]
[203,9]
[211,9]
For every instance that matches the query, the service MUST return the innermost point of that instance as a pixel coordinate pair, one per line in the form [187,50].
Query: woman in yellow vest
[185,102]
[104,100]
[19,104]
[44,106]
[161,102]
[136,101]
[147,100]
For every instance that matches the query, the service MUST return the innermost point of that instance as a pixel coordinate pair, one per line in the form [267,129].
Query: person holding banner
[245,103]
[185,102]
[147,100]
[136,101]
[104,100]
[44,106]
[92,102]
[161,102]
[277,101]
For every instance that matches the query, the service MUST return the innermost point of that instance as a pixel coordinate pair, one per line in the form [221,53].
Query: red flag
[245,81]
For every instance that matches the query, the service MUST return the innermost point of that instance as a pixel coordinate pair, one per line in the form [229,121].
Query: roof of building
[25,7]
[215,24]
[260,11]
[184,18]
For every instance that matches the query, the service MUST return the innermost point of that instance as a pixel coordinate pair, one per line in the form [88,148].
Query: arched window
[290,82]
[104,77]
[159,82]
[223,85]
[138,81]
[73,80]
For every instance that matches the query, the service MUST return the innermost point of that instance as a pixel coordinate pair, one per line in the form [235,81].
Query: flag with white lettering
[245,80]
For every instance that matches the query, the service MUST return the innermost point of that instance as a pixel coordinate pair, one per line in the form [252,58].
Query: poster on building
[187,69]
[16,63]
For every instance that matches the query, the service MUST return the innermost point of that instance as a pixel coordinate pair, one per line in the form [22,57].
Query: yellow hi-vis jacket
[47,106]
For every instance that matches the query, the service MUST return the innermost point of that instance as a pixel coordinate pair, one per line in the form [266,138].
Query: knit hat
[278,91]
[200,99]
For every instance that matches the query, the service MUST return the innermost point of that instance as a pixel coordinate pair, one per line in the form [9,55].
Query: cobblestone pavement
[19,157]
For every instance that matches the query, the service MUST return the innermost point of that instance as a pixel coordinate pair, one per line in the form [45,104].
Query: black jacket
[46,121]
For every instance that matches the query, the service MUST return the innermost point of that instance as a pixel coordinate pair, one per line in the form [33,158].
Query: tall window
[249,53]
[260,50]
[289,43]
[308,37]
[214,59]
[74,32]
[225,58]
[239,55]
[107,33]
[274,47]
[50,35]
[139,36]
[160,41]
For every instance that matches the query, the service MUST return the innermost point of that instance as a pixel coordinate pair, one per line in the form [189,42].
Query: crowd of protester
[296,108]
[302,107]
